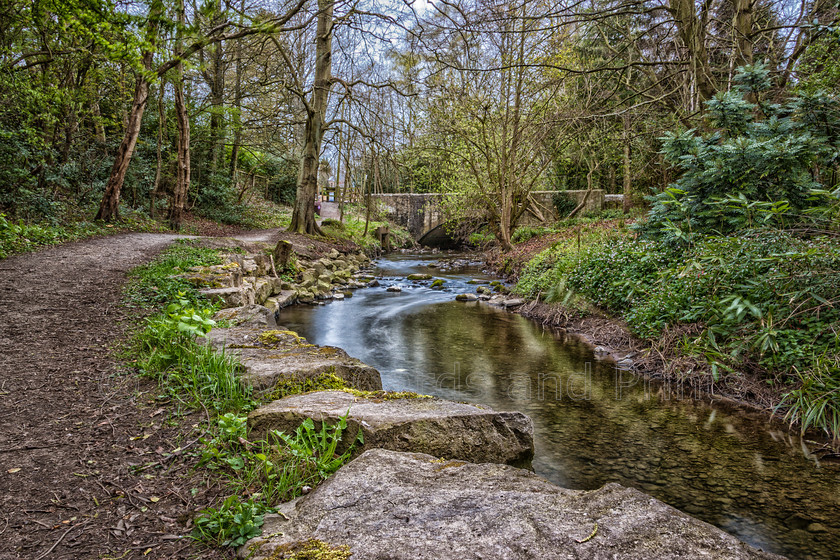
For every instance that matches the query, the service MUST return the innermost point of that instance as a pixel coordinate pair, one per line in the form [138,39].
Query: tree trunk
[742,29]
[153,196]
[109,208]
[692,31]
[217,100]
[627,162]
[182,184]
[303,215]
[237,108]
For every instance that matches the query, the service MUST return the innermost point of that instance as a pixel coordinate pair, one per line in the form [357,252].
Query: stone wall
[419,213]
[595,203]
[614,202]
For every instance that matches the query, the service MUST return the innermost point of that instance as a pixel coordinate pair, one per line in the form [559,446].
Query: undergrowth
[765,303]
[259,474]
[352,228]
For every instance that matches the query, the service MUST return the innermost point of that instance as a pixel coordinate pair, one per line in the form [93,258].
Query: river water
[593,423]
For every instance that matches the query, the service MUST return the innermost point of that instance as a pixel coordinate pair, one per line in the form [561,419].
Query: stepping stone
[416,423]
[271,356]
[410,506]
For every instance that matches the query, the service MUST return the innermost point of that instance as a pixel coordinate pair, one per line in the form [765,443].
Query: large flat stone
[270,356]
[425,425]
[230,297]
[247,315]
[391,505]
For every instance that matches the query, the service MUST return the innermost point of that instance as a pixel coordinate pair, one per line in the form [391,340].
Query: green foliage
[231,524]
[22,237]
[282,184]
[816,402]
[524,233]
[155,283]
[763,301]
[353,229]
[563,203]
[191,373]
[279,467]
[319,446]
[761,154]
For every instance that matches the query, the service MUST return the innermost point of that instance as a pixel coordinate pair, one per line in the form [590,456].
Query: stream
[593,423]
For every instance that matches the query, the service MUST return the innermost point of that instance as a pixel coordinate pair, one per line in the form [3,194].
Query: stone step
[276,355]
[410,506]
[408,422]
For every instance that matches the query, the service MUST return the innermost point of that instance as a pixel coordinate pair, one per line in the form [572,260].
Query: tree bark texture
[109,208]
[303,215]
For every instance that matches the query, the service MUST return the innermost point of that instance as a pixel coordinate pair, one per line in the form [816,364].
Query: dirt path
[75,431]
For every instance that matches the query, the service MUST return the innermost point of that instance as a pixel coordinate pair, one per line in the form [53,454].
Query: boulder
[466,297]
[409,506]
[393,289]
[408,422]
[418,277]
[516,302]
[230,297]
[262,289]
[270,356]
[283,299]
[248,316]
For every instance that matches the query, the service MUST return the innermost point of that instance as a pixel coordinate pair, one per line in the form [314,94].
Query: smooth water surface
[593,424]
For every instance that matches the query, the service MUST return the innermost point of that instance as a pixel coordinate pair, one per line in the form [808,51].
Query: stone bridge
[421,213]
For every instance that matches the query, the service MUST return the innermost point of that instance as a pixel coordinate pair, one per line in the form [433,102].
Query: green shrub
[232,524]
[524,233]
[762,161]
[564,203]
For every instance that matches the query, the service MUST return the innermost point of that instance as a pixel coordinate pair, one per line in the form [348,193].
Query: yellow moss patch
[294,386]
[451,465]
[311,550]
[275,336]
[380,396]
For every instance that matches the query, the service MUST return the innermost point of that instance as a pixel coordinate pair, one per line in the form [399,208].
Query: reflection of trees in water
[725,467]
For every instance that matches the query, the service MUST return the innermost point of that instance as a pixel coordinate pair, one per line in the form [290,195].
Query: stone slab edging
[411,506]
[407,422]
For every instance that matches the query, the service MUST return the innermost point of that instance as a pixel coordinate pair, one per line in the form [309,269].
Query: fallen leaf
[154,499]
[13,471]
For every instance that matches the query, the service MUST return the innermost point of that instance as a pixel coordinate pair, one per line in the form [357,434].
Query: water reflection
[593,424]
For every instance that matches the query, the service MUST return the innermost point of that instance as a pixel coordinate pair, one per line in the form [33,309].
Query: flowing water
[594,424]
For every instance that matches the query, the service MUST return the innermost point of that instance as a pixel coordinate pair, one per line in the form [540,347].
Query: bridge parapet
[421,213]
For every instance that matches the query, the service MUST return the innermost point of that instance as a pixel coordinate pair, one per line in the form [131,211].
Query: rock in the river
[513,302]
[418,277]
[270,356]
[410,506]
[412,423]
[393,289]
[466,297]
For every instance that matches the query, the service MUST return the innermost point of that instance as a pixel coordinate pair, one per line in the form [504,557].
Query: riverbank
[694,317]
